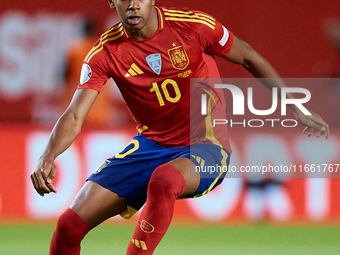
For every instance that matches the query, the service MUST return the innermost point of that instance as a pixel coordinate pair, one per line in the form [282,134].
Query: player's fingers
[35,185]
[50,178]
[312,132]
[306,130]
[315,125]
[325,130]
[48,175]
[50,185]
[41,182]
[34,182]
[321,125]
[321,133]
[45,172]
[51,188]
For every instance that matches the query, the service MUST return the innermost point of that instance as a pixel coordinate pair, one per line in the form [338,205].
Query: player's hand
[43,176]
[314,124]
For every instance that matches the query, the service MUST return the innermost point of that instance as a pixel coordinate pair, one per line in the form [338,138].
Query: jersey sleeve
[221,41]
[214,38]
[95,70]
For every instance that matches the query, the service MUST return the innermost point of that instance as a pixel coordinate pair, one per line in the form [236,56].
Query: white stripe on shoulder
[225,37]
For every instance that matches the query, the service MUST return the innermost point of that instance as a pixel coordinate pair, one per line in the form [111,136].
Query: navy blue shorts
[128,172]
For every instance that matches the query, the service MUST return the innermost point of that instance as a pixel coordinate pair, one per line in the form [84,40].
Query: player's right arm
[63,134]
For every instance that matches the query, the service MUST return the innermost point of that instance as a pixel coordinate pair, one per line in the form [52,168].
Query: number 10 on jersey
[155,88]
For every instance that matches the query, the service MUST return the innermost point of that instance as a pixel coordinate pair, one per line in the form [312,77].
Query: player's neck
[148,30]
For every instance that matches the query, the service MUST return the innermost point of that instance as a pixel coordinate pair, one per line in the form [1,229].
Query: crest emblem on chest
[179,58]
[155,62]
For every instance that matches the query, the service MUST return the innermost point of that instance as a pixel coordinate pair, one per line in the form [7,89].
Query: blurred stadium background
[285,216]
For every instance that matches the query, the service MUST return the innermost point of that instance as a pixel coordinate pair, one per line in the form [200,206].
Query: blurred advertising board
[285,198]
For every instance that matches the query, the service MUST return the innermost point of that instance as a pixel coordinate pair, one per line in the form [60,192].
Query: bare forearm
[243,54]
[260,68]
[63,134]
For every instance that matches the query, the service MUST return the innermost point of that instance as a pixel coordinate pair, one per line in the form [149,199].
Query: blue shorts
[128,172]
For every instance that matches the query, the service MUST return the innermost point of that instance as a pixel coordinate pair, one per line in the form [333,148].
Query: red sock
[70,230]
[166,184]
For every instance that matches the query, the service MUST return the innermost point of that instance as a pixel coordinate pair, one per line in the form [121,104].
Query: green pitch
[250,240]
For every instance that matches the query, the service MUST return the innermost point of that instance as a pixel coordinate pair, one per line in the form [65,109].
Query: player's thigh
[192,178]
[95,204]
[202,156]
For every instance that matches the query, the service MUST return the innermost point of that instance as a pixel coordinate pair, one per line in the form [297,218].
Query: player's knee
[166,179]
[64,224]
[71,225]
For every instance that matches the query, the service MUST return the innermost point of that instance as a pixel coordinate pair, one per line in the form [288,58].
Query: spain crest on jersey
[178,57]
[155,62]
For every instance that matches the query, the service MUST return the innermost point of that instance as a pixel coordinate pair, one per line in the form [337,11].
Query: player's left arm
[243,54]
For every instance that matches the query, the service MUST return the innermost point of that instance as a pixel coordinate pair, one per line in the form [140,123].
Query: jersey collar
[160,26]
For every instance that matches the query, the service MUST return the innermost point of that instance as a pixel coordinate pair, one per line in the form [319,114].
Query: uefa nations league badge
[155,62]
[85,73]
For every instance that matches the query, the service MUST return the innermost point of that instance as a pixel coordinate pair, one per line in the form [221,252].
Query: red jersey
[154,74]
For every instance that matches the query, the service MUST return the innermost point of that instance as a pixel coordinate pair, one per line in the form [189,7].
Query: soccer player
[151,54]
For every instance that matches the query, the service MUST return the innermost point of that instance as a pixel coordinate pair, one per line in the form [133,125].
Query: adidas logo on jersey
[133,71]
